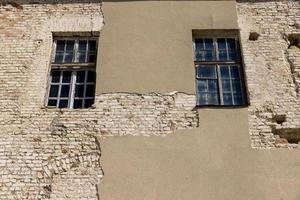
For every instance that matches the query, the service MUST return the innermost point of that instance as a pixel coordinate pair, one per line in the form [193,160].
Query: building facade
[168,99]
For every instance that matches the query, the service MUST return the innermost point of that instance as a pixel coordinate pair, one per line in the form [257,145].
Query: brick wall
[272,71]
[54,153]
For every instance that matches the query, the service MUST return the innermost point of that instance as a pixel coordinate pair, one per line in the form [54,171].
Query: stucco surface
[147,45]
[214,161]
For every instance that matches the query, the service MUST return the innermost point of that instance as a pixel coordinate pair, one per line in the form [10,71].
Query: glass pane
[92,58]
[227,99]
[209,44]
[82,45]
[68,57]
[222,55]
[232,55]
[202,85]
[236,86]
[92,45]
[208,55]
[52,102]
[231,44]
[212,86]
[80,76]
[53,91]
[221,43]
[206,71]
[199,44]
[70,45]
[199,56]
[224,71]
[88,102]
[238,99]
[202,98]
[59,56]
[79,90]
[91,76]
[77,103]
[55,76]
[66,77]
[63,104]
[234,71]
[89,91]
[81,57]
[60,45]
[212,98]
[64,91]
[226,85]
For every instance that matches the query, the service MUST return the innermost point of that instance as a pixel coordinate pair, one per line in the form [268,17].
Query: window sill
[222,106]
[55,109]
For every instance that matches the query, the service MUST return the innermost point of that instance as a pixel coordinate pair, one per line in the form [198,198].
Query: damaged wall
[272,70]
[36,151]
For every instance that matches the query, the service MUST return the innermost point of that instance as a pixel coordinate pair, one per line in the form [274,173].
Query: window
[72,77]
[219,75]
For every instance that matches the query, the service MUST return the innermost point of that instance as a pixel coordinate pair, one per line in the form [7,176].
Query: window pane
[68,57]
[89,91]
[232,55]
[209,44]
[81,57]
[202,99]
[64,91]
[222,55]
[200,56]
[79,90]
[70,45]
[227,99]
[208,55]
[52,102]
[78,103]
[82,45]
[88,102]
[66,77]
[92,45]
[212,86]
[55,76]
[206,71]
[202,85]
[63,104]
[226,85]
[238,100]
[224,71]
[231,44]
[59,56]
[213,98]
[234,71]
[91,76]
[80,76]
[60,45]
[92,58]
[199,44]
[236,86]
[53,91]
[221,43]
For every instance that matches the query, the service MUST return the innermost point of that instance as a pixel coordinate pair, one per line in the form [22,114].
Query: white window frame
[73,67]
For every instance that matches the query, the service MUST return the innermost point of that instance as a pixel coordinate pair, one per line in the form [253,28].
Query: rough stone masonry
[272,70]
[54,154]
